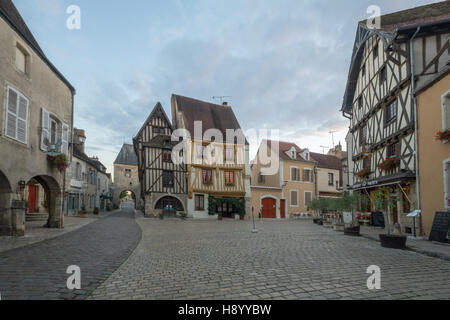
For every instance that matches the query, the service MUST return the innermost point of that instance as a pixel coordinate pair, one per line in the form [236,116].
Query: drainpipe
[414,101]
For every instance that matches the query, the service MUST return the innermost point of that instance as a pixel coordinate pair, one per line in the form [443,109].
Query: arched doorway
[269,208]
[44,201]
[169,205]
[5,206]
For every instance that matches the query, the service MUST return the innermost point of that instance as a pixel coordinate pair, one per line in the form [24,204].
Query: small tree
[384,201]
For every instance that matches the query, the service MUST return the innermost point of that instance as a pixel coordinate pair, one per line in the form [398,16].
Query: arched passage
[43,195]
[169,205]
[5,205]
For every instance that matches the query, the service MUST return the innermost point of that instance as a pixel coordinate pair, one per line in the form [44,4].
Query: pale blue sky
[284,62]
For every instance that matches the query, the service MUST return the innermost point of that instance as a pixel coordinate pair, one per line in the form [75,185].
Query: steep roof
[391,26]
[100,166]
[127,156]
[211,115]
[158,110]
[80,154]
[284,147]
[11,15]
[327,161]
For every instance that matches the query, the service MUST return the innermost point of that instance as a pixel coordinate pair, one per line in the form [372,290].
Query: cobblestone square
[286,260]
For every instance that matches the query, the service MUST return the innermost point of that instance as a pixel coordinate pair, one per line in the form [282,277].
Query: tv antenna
[220,98]
[332,136]
[323,149]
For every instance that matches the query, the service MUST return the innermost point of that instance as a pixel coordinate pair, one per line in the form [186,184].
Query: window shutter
[65,139]
[398,149]
[45,129]
[11,114]
[446,116]
[22,120]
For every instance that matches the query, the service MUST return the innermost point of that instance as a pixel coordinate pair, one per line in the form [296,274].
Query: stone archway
[118,191]
[171,201]
[6,196]
[54,200]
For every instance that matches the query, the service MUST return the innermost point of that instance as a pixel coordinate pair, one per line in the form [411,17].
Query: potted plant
[60,161]
[183,215]
[96,211]
[351,204]
[82,213]
[389,164]
[385,201]
[220,217]
[443,136]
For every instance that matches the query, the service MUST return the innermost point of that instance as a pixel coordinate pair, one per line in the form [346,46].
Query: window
[53,132]
[168,179]
[306,155]
[331,179]
[383,75]
[199,202]
[229,178]
[308,198]
[446,111]
[78,171]
[362,135]
[294,198]
[207,176]
[295,174]
[366,163]
[229,154]
[375,52]
[360,102]
[16,126]
[167,156]
[158,130]
[128,173]
[391,112]
[307,175]
[21,59]
[261,178]
[394,150]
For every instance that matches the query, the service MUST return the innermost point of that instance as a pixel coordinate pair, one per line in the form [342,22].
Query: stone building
[126,177]
[329,174]
[36,117]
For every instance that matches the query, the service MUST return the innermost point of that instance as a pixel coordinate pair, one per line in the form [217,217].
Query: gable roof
[212,116]
[327,161]
[127,156]
[158,110]
[80,154]
[98,165]
[391,26]
[11,15]
[284,147]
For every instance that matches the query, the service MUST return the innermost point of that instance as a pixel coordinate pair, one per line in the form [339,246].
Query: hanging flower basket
[443,136]
[364,174]
[389,164]
[59,162]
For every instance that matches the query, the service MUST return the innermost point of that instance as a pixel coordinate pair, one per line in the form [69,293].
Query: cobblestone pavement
[38,271]
[285,260]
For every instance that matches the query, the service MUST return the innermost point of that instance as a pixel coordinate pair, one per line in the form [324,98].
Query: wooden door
[283,209]
[269,208]
[32,193]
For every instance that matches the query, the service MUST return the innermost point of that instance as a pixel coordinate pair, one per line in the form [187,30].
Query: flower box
[364,174]
[389,164]
[443,136]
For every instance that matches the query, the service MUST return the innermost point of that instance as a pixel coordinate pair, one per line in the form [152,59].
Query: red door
[269,208]
[32,192]
[283,209]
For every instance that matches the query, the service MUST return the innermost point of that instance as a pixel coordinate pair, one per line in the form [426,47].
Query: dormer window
[293,154]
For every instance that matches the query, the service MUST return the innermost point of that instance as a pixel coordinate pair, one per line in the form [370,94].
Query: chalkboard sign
[378,219]
[441,227]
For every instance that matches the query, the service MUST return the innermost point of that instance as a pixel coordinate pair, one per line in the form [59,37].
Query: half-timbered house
[163,181]
[380,102]
[217,157]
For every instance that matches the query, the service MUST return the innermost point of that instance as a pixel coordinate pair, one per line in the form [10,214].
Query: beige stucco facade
[324,186]
[434,156]
[281,186]
[39,87]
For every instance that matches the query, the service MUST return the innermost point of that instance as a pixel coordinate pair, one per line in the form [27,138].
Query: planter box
[327,224]
[352,231]
[220,218]
[318,221]
[393,242]
[241,217]
[339,227]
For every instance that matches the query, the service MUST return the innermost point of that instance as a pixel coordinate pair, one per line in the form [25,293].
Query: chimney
[79,138]
[225,103]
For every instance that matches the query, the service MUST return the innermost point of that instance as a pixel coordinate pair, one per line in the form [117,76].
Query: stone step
[36,217]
